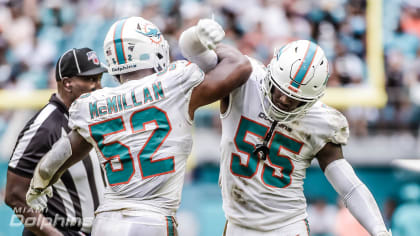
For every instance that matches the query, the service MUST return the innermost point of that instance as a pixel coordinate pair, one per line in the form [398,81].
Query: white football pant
[128,224]
[300,228]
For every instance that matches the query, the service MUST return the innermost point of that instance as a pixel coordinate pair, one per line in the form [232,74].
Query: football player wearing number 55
[273,126]
[142,128]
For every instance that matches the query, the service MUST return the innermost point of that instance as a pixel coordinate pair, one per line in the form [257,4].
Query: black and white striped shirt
[78,192]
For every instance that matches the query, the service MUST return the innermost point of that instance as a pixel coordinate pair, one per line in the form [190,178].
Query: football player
[142,128]
[273,126]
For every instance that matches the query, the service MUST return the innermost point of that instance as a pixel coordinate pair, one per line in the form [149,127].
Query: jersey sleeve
[259,71]
[78,117]
[74,115]
[187,75]
[333,128]
[180,79]
[340,128]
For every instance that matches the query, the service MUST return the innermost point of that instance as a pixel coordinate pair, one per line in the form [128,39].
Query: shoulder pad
[330,124]
[184,74]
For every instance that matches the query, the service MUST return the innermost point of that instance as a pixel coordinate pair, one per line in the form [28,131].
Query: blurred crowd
[34,33]
[400,214]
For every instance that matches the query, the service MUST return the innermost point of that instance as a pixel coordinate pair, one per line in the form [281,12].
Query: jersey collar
[58,103]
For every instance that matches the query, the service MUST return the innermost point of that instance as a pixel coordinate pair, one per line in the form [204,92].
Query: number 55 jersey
[142,133]
[268,194]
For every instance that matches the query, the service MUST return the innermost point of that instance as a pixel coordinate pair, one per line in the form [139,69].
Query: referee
[78,192]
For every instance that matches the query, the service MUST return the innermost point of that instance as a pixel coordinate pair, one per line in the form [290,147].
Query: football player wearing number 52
[142,128]
[273,126]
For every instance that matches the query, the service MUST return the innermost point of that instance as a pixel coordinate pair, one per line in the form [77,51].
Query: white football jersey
[267,195]
[141,131]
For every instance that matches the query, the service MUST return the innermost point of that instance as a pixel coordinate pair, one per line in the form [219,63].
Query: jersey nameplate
[126,101]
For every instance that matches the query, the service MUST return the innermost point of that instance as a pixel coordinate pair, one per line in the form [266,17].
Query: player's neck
[135,75]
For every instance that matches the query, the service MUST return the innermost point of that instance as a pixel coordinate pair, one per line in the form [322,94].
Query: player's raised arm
[232,71]
[356,196]
[226,68]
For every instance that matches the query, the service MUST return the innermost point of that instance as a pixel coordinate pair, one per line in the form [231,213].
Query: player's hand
[385,233]
[36,198]
[210,33]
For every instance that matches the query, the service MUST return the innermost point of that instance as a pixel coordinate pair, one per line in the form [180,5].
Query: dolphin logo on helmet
[149,31]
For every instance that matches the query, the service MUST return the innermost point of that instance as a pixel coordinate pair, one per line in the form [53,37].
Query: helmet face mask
[299,70]
[133,44]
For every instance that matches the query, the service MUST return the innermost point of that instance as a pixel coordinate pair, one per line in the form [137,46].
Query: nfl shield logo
[92,57]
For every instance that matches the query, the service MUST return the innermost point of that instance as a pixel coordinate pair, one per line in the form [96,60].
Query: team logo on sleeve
[93,57]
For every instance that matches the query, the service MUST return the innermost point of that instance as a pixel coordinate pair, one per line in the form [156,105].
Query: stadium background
[374,51]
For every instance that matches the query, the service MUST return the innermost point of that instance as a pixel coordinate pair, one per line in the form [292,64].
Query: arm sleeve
[194,51]
[51,163]
[356,196]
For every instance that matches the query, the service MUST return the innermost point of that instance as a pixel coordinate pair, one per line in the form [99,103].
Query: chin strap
[261,150]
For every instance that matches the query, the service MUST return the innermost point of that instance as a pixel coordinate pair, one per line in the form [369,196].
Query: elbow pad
[52,161]
[193,50]
[355,195]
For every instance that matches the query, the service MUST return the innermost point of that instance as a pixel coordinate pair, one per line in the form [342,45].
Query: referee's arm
[33,142]
[16,188]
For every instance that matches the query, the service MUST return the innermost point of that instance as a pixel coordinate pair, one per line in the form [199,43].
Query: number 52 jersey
[141,131]
[268,195]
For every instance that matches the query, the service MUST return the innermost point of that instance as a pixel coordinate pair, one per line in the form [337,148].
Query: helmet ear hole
[159,56]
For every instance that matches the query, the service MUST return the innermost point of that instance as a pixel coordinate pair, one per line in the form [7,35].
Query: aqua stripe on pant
[170,225]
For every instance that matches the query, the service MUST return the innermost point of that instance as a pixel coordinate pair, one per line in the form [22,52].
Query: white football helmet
[133,44]
[299,70]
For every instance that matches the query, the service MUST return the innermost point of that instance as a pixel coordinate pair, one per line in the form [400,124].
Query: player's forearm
[356,196]
[234,64]
[363,207]
[66,152]
[50,164]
